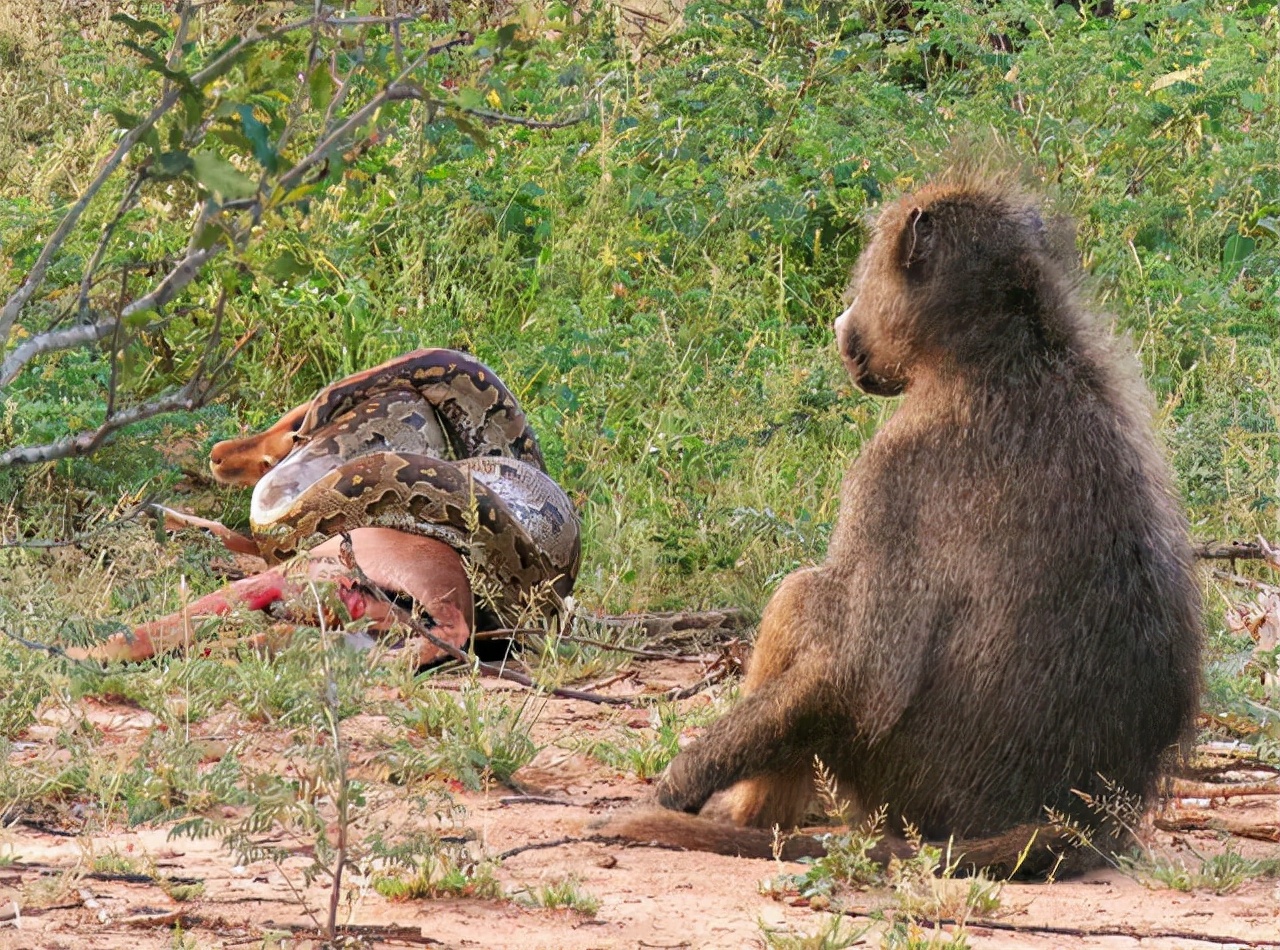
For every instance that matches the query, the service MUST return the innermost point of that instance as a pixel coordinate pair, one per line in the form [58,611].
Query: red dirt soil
[648,898]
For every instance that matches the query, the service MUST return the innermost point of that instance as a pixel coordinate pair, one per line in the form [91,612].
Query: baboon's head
[954,272]
[244,461]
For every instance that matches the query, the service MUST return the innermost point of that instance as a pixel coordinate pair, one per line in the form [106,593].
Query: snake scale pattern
[431,443]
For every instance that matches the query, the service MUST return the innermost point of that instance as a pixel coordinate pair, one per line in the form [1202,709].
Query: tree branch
[19,298]
[183,273]
[48,342]
[193,395]
[400,91]
[196,392]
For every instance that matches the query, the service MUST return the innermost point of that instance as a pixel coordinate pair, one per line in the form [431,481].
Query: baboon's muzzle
[856,359]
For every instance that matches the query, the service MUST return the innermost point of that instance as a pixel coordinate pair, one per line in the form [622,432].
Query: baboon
[1007,616]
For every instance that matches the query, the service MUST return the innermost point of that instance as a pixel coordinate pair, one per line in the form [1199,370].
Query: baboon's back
[1047,604]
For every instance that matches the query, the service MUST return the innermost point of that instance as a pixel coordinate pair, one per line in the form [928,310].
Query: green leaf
[300,193]
[140,27]
[221,177]
[233,137]
[257,133]
[156,63]
[320,85]
[507,33]
[288,266]
[1269,224]
[470,129]
[1235,249]
[126,120]
[469,99]
[170,164]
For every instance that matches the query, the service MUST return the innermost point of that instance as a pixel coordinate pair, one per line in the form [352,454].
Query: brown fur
[244,461]
[1008,612]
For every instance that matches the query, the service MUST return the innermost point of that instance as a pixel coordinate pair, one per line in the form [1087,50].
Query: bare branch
[182,274]
[127,202]
[502,118]
[48,342]
[184,400]
[196,392]
[400,91]
[18,299]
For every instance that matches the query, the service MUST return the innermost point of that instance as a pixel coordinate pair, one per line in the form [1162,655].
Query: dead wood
[1200,819]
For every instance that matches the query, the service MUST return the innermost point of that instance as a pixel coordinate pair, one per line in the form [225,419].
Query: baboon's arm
[774,729]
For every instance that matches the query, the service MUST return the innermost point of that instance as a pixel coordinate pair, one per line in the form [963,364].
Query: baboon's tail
[1034,851]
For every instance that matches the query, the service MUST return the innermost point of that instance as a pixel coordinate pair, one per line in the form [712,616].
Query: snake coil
[431,443]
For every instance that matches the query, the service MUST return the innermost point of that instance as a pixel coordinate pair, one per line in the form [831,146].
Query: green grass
[565,894]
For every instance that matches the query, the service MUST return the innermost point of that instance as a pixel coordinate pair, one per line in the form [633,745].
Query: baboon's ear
[917,238]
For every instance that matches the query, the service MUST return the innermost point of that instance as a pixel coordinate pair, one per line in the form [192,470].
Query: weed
[835,934]
[643,754]
[473,734]
[564,893]
[907,934]
[925,886]
[1221,873]
[113,862]
[424,866]
[181,891]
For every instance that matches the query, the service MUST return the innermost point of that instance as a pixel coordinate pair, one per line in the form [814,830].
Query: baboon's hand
[677,790]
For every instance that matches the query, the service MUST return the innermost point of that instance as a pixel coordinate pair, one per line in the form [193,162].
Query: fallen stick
[1231,550]
[1183,788]
[1202,820]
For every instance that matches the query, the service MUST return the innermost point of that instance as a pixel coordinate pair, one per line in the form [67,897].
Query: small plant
[905,934]
[564,893]
[848,861]
[642,754]
[426,867]
[474,735]
[835,934]
[113,862]
[1220,873]
[181,891]
[925,886]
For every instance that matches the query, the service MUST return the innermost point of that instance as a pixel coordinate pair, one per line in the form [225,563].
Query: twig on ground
[1246,583]
[1182,788]
[503,633]
[1241,826]
[1258,550]
[585,839]
[533,800]
[711,679]
[1118,930]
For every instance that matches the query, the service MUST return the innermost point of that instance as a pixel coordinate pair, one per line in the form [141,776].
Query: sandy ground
[648,898]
